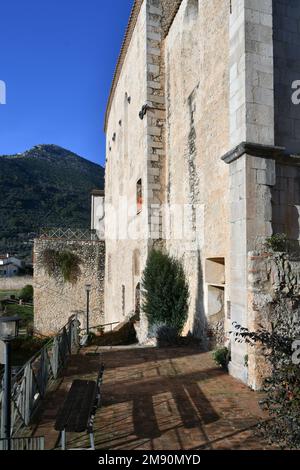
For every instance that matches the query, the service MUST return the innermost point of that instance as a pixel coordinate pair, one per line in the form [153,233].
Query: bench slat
[75,413]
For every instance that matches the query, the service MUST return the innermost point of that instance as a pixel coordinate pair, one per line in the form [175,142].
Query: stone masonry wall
[251,72]
[251,182]
[136,151]
[155,116]
[196,52]
[55,300]
[126,163]
[270,276]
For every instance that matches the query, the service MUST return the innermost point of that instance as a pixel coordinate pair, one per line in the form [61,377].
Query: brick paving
[159,399]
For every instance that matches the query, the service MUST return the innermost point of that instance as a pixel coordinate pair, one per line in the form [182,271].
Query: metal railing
[69,234]
[23,443]
[30,384]
[102,328]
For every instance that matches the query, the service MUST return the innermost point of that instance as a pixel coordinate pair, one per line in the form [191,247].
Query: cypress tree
[165,291]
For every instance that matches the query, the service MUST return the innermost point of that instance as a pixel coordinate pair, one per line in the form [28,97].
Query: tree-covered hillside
[46,186]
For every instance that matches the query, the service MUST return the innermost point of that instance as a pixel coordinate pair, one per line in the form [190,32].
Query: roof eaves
[127,38]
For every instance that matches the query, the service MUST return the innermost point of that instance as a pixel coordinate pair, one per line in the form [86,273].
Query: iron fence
[103,328]
[69,234]
[23,443]
[30,384]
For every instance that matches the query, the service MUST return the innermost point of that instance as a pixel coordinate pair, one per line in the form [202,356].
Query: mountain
[47,186]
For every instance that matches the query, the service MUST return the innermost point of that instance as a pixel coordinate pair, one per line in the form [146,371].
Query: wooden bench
[79,409]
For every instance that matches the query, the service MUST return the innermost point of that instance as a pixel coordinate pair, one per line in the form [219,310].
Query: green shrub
[26,293]
[282,387]
[222,357]
[277,242]
[165,335]
[165,291]
[28,344]
[69,266]
[63,263]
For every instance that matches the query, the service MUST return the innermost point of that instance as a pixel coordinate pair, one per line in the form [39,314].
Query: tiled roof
[98,192]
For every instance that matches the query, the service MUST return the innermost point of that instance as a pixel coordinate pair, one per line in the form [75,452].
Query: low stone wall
[15,283]
[273,278]
[56,300]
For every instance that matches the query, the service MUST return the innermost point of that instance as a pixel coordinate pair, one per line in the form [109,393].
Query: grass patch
[4,294]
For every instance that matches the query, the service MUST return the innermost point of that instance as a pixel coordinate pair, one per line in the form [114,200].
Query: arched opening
[136,266]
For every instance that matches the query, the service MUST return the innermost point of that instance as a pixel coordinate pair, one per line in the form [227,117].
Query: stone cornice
[262,151]
[256,150]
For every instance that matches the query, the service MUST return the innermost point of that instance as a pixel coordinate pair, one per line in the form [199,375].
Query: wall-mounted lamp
[143,111]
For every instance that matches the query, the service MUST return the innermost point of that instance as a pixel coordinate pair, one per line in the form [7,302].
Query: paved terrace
[159,399]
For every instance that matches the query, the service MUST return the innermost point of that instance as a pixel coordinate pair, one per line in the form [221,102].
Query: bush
[165,335]
[165,292]
[28,344]
[277,243]
[222,357]
[282,387]
[61,263]
[69,266]
[26,293]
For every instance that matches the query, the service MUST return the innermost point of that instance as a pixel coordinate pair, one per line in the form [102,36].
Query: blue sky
[57,59]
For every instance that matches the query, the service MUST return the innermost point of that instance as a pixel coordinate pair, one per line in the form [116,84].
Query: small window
[191,11]
[136,263]
[139,196]
[123,300]
[215,271]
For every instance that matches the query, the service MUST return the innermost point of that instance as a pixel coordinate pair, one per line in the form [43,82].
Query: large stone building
[203,132]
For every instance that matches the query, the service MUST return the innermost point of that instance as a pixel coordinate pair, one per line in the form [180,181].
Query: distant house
[98,213]
[10,266]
